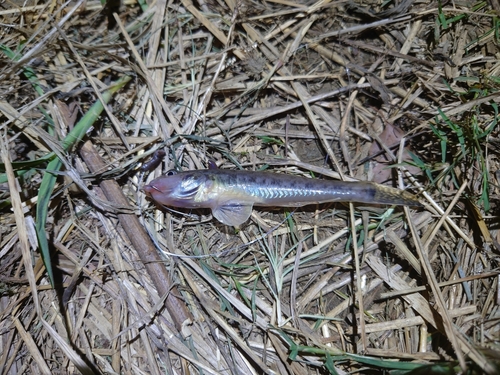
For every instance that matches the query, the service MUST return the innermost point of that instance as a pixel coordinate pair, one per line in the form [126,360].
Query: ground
[98,278]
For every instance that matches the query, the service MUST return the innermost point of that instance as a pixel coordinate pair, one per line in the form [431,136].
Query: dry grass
[340,89]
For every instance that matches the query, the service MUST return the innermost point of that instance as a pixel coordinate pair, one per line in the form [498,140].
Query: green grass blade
[21,167]
[88,120]
[49,178]
[30,74]
[330,365]
[44,194]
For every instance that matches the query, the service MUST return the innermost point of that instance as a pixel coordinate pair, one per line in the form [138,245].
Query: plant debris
[98,99]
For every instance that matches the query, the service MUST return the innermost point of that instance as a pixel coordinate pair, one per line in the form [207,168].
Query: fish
[232,194]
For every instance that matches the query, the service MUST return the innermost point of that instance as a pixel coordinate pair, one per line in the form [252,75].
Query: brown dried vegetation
[404,93]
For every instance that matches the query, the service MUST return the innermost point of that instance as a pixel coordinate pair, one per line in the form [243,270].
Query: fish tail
[388,195]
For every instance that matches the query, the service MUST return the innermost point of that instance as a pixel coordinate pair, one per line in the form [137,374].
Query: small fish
[231,195]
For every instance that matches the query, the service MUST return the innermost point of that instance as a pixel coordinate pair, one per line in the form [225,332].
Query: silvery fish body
[232,194]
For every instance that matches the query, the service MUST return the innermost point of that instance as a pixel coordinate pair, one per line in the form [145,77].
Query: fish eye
[171,172]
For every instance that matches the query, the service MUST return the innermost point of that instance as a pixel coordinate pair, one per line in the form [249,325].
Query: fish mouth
[150,189]
[158,194]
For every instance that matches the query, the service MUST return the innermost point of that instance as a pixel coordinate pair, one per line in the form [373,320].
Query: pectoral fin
[233,214]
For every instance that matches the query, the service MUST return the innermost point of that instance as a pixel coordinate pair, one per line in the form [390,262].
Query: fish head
[178,189]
